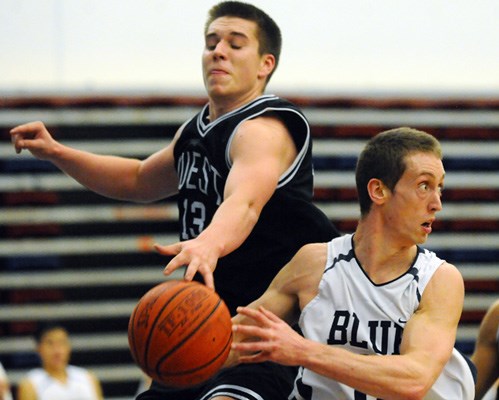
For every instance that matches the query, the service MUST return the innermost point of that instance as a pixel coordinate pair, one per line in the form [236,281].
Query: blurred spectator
[56,379]
[4,385]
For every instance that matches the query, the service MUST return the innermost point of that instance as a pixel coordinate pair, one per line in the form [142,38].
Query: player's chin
[421,239]
[218,89]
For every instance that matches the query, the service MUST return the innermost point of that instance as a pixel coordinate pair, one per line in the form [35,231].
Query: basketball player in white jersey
[379,313]
[56,379]
[486,354]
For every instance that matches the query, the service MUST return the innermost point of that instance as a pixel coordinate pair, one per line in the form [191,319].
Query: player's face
[54,349]
[232,65]
[416,198]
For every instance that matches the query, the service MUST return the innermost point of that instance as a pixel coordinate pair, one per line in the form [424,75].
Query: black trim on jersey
[238,392]
[342,257]
[411,270]
[415,272]
[304,391]
[204,127]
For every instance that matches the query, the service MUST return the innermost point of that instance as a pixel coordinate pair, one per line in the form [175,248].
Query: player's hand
[34,137]
[194,254]
[273,339]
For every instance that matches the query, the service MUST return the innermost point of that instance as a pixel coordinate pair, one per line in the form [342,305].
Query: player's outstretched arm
[261,152]
[110,176]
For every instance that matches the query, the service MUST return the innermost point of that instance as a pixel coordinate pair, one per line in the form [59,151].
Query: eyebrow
[431,174]
[233,33]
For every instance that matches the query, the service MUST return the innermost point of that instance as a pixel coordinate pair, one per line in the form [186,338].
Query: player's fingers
[191,270]
[17,142]
[169,250]
[247,330]
[269,314]
[255,359]
[207,275]
[256,315]
[29,127]
[174,264]
[250,351]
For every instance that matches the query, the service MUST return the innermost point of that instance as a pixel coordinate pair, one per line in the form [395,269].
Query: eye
[211,42]
[236,43]
[424,186]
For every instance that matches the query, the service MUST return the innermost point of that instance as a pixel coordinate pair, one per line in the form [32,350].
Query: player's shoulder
[304,271]
[269,121]
[263,130]
[312,250]
[447,270]
[447,275]
[445,286]
[311,257]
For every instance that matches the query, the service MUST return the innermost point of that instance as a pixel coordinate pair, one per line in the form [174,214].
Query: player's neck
[382,258]
[221,105]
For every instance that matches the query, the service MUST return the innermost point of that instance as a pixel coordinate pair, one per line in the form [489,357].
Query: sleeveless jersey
[289,219]
[79,385]
[365,318]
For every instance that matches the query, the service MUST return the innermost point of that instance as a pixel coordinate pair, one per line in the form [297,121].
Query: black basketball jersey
[289,219]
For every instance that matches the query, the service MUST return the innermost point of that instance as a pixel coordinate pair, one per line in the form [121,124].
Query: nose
[220,50]
[436,202]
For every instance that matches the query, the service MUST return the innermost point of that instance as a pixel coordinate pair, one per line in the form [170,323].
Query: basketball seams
[189,371]
[158,316]
[185,339]
[139,308]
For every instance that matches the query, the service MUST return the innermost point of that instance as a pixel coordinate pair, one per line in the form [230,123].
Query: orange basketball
[180,333]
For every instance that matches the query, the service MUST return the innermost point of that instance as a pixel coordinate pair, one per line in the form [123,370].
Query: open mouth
[426,227]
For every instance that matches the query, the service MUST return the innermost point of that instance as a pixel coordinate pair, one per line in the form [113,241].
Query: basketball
[180,333]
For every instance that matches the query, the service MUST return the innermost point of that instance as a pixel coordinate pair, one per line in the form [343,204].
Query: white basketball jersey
[79,385]
[353,312]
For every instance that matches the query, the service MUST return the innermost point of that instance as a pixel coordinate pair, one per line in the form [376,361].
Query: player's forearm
[231,225]
[394,377]
[109,176]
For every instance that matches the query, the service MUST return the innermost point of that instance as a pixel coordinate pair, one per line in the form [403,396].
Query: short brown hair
[384,158]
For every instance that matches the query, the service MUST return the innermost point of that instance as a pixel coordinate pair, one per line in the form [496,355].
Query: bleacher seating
[74,256]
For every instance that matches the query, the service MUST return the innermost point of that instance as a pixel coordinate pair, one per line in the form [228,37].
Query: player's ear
[377,190]
[267,65]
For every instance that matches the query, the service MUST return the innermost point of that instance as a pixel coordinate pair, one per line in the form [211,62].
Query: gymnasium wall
[329,46]
[69,254]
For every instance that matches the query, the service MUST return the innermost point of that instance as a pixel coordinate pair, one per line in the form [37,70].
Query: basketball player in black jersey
[242,169]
